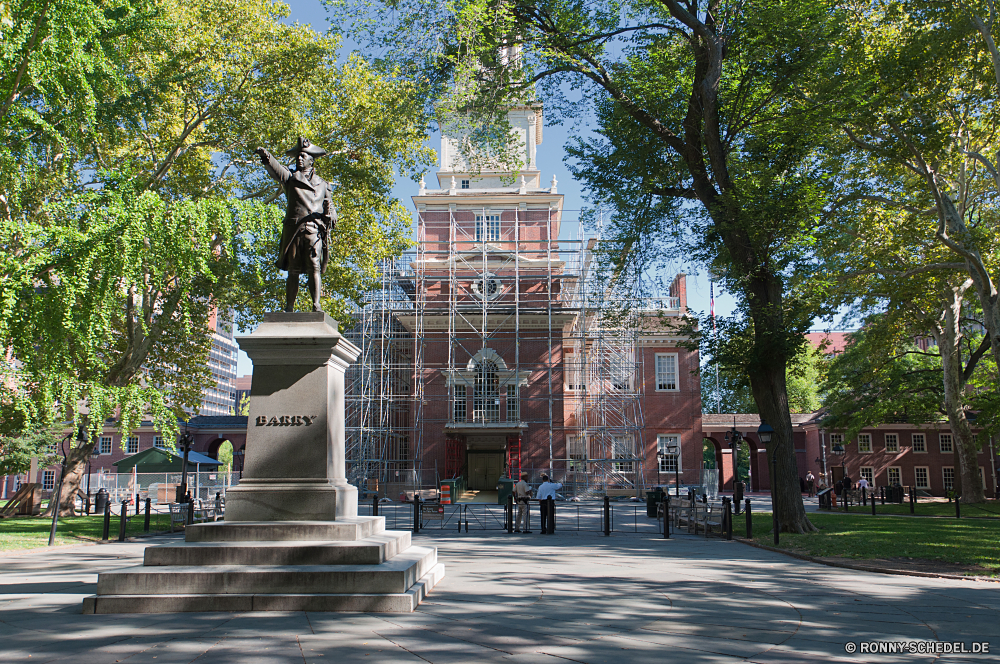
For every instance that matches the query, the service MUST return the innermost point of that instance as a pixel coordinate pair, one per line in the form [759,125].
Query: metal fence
[580,517]
[159,487]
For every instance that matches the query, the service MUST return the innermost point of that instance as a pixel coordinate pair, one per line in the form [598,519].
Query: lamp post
[185,442]
[675,451]
[764,433]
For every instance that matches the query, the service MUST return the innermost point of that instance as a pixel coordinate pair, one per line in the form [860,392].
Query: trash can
[505,487]
[101,501]
[653,498]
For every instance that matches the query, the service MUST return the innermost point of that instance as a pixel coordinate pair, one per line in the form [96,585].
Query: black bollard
[864,497]
[190,515]
[958,507]
[458,516]
[122,521]
[552,515]
[375,505]
[466,510]
[873,502]
[882,489]
[607,516]
[137,504]
[736,505]
[913,499]
[728,518]
[416,513]
[510,513]
[107,521]
[86,507]
[145,523]
[749,520]
[666,516]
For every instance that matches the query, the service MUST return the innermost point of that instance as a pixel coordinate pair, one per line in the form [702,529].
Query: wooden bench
[706,517]
[692,514]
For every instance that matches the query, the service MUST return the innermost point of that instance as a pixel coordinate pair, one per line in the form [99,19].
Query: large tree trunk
[73,473]
[948,337]
[768,382]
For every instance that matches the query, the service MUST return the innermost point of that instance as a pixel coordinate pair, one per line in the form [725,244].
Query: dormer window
[465,184]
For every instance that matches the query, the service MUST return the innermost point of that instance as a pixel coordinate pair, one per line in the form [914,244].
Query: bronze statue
[310,218]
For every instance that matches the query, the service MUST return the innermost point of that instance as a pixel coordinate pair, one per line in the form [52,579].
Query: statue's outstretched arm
[275,168]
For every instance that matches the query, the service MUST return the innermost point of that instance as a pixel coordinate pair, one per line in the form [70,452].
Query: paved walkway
[523,598]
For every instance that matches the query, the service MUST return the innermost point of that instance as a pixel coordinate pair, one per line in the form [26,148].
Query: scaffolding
[499,322]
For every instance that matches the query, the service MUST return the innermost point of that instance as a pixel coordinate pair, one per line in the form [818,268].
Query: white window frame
[916,477]
[665,460]
[158,443]
[576,452]
[864,443]
[666,381]
[870,476]
[106,445]
[487,227]
[618,442]
[894,438]
[836,439]
[923,443]
[48,480]
[513,404]
[460,405]
[573,371]
[130,443]
[889,473]
[942,437]
[946,482]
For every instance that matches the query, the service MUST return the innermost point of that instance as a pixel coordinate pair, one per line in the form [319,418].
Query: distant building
[220,397]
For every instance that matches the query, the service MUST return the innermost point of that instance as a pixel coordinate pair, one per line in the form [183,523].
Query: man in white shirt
[546,492]
[522,494]
[862,483]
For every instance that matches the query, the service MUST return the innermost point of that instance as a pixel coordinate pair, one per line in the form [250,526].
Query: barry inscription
[285,420]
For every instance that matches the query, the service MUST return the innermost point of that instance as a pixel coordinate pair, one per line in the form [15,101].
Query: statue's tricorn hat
[305,145]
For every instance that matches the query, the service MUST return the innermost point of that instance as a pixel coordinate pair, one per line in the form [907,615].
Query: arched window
[487,392]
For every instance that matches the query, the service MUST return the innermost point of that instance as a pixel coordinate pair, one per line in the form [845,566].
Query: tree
[697,101]
[123,238]
[16,452]
[900,288]
[920,118]
[804,377]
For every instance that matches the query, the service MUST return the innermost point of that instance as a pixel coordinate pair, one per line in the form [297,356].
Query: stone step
[395,575]
[404,602]
[348,529]
[368,551]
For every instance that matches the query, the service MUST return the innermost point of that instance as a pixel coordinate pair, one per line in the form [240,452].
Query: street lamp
[764,433]
[185,442]
[675,451]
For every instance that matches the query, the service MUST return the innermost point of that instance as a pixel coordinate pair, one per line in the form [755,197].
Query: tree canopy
[133,207]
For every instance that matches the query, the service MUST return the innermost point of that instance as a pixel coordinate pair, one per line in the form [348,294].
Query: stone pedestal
[294,468]
[292,539]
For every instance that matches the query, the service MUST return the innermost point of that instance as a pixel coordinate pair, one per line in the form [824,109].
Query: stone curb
[865,568]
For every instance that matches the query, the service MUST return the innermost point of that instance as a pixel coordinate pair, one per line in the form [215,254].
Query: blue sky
[550,162]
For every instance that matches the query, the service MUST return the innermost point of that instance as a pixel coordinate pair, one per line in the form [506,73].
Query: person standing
[810,483]
[522,495]
[547,493]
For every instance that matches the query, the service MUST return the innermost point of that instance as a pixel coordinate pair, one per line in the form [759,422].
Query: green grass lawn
[31,532]
[861,536]
[939,507]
